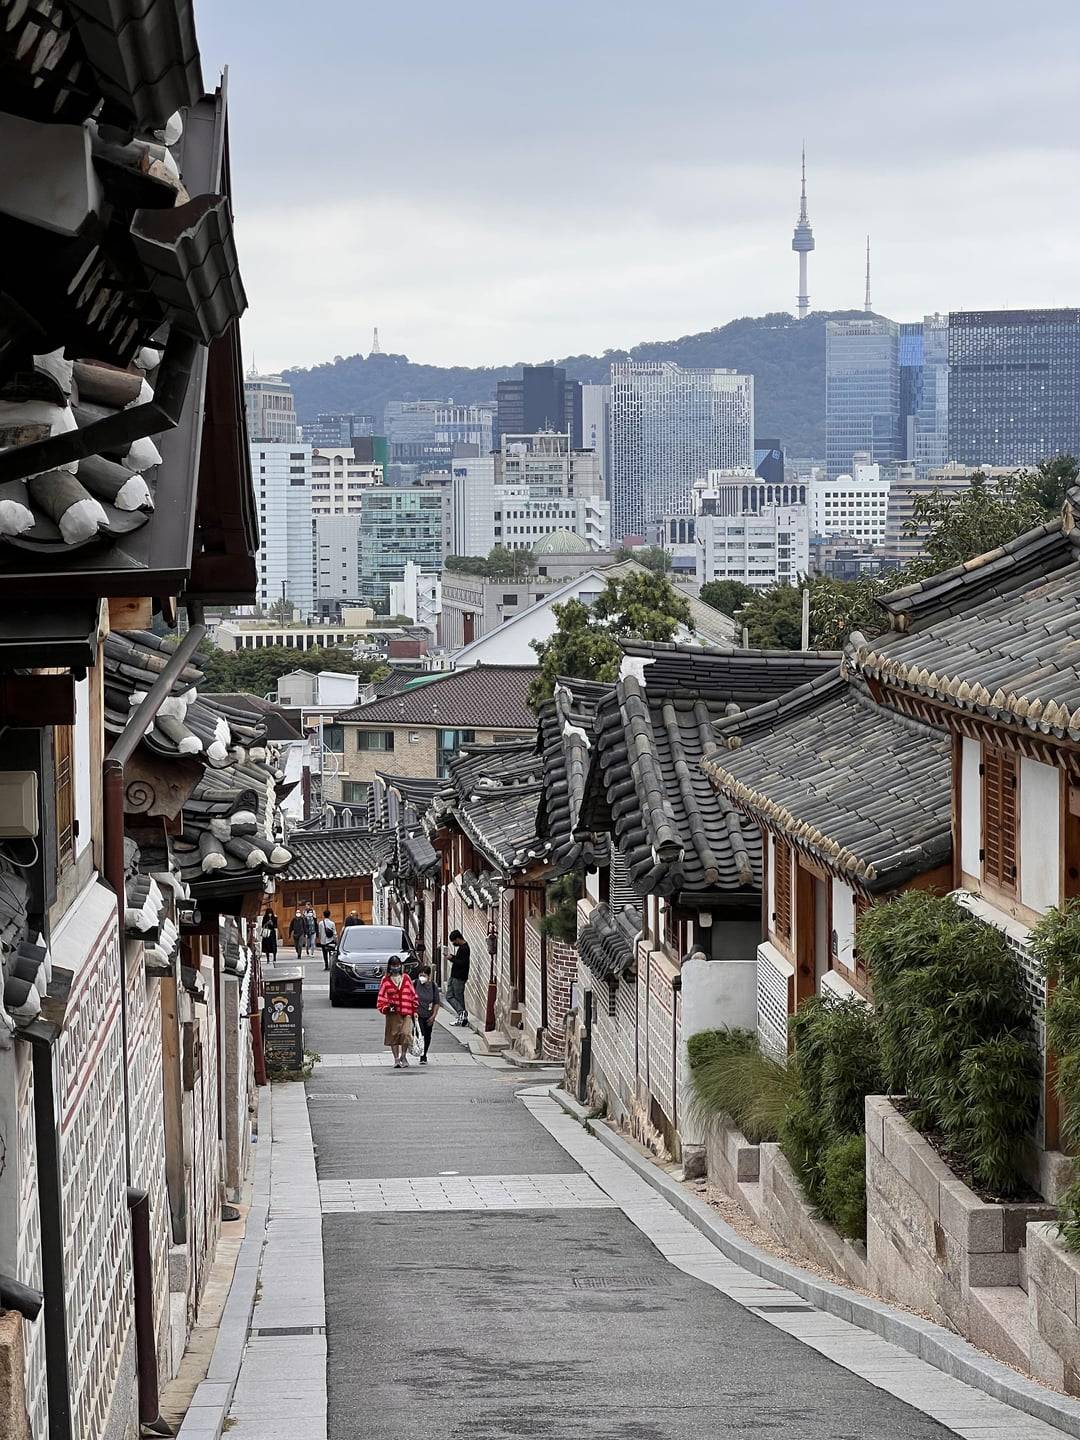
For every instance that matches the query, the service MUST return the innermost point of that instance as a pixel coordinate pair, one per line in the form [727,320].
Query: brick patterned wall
[207,1147]
[89,1064]
[613,1036]
[147,1135]
[562,974]
[28,1270]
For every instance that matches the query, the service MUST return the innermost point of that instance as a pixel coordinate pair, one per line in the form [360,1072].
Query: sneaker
[405,1062]
[423,1059]
[397,1064]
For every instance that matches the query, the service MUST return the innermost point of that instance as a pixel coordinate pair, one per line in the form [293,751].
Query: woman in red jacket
[397,1001]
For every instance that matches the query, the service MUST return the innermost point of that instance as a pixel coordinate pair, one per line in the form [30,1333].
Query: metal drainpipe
[113,818]
[50,1204]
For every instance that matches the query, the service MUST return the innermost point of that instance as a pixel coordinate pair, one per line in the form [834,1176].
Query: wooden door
[805,935]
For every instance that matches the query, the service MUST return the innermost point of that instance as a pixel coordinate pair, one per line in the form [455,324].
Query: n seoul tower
[802,242]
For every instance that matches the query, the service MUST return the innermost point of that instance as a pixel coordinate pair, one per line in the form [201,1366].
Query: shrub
[955,1030]
[843,1186]
[1056,943]
[730,1076]
[559,922]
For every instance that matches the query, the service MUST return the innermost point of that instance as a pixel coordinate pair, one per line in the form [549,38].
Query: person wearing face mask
[397,1002]
[428,997]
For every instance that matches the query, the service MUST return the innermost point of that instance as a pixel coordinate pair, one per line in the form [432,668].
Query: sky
[492,183]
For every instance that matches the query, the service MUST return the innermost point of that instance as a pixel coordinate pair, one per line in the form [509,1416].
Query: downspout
[50,1205]
[113,789]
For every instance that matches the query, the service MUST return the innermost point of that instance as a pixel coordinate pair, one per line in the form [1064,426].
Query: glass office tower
[862,392]
[1014,385]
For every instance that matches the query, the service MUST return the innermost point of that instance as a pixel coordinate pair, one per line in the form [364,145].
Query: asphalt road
[551,1324]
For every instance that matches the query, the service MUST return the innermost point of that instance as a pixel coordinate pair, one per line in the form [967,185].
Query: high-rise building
[669,427]
[862,391]
[542,398]
[763,550]
[337,557]
[398,524]
[339,479]
[802,242]
[1014,386]
[465,429]
[924,392]
[596,423]
[335,430]
[769,460]
[530,487]
[271,415]
[411,422]
[902,537]
[282,474]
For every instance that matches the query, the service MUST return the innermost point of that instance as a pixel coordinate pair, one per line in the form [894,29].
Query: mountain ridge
[786,356]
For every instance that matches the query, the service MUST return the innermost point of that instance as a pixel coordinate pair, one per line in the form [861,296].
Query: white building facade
[855,505]
[338,480]
[668,427]
[418,595]
[271,415]
[337,557]
[532,486]
[282,474]
[763,550]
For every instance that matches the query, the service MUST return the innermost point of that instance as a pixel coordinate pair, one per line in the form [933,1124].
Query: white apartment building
[338,480]
[532,486]
[770,548]
[282,474]
[271,415]
[855,505]
[668,427]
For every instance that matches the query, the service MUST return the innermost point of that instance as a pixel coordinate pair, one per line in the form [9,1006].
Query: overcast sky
[490,183]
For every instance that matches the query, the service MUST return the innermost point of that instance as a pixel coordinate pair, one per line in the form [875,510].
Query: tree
[653,557]
[586,643]
[498,564]
[837,607]
[773,618]
[256,672]
[727,596]
[466,564]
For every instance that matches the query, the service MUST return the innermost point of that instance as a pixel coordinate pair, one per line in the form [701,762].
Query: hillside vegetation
[786,357]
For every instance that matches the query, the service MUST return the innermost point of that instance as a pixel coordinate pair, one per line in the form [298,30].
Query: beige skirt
[398,1030]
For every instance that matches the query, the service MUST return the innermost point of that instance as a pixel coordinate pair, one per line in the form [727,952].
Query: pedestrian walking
[269,935]
[428,998]
[312,926]
[397,1002]
[298,932]
[459,974]
[351,919]
[327,938]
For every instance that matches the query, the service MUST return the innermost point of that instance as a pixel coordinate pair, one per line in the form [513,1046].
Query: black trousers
[327,955]
[426,1027]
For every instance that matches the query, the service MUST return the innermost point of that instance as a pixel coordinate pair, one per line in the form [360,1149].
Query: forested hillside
[785,356]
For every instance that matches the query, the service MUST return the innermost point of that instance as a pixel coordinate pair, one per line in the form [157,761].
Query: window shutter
[999,817]
[782,888]
[65,794]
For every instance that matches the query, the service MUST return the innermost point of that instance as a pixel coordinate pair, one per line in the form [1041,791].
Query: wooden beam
[130,613]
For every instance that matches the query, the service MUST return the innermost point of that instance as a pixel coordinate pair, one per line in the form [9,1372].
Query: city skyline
[678,195]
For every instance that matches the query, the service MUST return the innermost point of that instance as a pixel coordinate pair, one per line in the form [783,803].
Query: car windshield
[373,940]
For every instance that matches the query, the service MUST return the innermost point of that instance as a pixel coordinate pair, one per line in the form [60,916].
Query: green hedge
[1056,942]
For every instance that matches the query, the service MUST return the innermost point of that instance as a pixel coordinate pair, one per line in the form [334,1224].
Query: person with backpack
[327,938]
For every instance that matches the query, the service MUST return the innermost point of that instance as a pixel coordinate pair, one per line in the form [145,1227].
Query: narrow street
[478,1282]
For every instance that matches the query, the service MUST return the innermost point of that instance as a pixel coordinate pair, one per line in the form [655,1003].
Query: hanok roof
[400,679]
[274,719]
[337,854]
[565,740]
[864,790]
[998,637]
[606,941]
[744,677]
[484,697]
[493,795]
[117,236]
[679,835]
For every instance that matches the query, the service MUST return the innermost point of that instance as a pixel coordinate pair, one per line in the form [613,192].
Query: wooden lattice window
[782,859]
[862,904]
[999,817]
[64,779]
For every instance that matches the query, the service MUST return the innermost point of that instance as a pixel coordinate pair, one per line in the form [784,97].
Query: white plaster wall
[843,919]
[970,807]
[1040,837]
[81,759]
[771,852]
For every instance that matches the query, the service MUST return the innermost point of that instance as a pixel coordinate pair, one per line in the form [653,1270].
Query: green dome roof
[561,542]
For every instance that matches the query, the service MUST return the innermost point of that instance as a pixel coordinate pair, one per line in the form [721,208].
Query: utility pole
[806,617]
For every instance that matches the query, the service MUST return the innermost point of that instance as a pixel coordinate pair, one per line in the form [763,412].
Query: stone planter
[1053,1279]
[933,1244]
[760,1179]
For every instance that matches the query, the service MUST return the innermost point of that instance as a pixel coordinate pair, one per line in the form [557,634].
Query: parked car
[363,953]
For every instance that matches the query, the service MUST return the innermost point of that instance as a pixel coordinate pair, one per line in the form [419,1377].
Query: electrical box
[18,804]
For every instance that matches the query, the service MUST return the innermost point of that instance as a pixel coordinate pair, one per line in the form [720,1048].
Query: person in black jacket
[298,932]
[459,974]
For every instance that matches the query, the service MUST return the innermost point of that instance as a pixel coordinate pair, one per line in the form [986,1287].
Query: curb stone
[939,1347]
[210,1404]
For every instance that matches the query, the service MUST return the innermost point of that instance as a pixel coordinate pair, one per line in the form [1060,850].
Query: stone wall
[1053,1283]
[763,1183]
[933,1244]
[14,1420]
[562,960]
